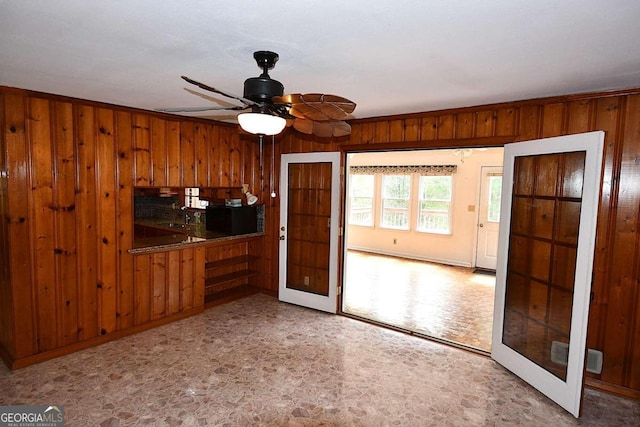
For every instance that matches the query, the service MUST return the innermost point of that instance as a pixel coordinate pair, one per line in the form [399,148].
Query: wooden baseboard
[17,363]
[612,388]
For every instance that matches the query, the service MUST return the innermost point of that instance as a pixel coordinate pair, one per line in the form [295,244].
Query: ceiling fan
[312,113]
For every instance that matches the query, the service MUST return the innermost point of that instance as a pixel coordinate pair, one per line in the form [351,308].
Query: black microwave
[232,220]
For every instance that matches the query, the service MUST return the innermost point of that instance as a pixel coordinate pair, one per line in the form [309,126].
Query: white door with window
[309,222]
[545,258]
[488,217]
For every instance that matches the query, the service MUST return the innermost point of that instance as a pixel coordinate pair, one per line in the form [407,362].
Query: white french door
[488,217]
[543,277]
[309,223]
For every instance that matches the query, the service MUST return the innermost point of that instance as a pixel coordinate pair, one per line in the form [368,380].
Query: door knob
[282,228]
[281,237]
[481,225]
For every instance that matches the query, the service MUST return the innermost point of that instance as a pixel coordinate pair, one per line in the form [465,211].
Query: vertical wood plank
[506,120]
[213,166]
[396,130]
[7,333]
[42,189]
[198,276]
[429,128]
[87,233]
[142,280]
[465,125]
[553,120]
[381,131]
[446,126]
[201,140]
[224,146]
[607,113]
[235,159]
[173,154]
[173,281]
[186,279]
[64,212]
[106,155]
[579,116]
[624,281]
[412,129]
[367,133]
[187,154]
[158,152]
[159,284]
[142,149]
[19,228]
[529,123]
[125,219]
[485,123]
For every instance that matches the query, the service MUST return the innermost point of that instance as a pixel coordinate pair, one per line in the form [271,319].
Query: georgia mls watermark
[31,416]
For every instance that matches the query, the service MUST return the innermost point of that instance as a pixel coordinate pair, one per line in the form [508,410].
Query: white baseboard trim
[455,263]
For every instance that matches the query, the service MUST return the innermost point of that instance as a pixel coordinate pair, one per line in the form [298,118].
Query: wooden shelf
[224,278]
[231,261]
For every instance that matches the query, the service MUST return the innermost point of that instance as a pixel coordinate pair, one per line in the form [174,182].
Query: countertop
[183,236]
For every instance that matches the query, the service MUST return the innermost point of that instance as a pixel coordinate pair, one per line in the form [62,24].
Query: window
[435,204]
[495,192]
[396,192]
[361,190]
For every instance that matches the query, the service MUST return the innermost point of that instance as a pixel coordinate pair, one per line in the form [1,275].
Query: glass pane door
[309,229]
[543,277]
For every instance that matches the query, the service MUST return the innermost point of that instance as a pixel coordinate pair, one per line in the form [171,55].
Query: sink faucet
[187,217]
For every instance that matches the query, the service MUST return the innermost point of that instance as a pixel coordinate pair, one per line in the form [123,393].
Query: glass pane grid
[541,261]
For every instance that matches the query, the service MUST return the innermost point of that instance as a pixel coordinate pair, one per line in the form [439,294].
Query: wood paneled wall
[72,166]
[67,277]
[614,321]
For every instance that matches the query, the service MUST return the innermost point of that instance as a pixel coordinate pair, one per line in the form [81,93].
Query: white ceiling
[389,57]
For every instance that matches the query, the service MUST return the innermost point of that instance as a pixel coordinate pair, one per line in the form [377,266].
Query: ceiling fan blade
[317,106]
[212,89]
[323,129]
[197,109]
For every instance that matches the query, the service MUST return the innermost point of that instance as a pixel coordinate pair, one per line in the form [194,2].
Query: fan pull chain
[260,144]
[273,163]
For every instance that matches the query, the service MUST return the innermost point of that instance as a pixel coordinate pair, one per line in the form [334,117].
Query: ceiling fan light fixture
[261,123]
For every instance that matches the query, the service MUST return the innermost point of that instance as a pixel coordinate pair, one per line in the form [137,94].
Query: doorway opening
[415,254]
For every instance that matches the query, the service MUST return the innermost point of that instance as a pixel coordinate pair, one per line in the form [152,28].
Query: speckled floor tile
[259,362]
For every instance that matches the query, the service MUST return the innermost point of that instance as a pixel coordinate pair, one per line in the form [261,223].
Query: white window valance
[404,169]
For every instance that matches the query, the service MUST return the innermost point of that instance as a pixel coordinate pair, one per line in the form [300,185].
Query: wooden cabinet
[167,283]
[231,265]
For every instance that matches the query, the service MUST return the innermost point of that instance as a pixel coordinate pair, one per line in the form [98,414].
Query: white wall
[455,249]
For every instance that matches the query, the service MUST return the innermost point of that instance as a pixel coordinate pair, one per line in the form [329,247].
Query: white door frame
[567,394]
[327,303]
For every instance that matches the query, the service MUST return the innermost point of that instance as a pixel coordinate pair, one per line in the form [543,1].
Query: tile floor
[259,362]
[445,302]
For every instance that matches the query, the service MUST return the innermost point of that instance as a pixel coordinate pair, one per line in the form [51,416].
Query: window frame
[408,200]
[449,212]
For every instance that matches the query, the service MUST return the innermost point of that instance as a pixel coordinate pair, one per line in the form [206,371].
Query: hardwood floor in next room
[445,302]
